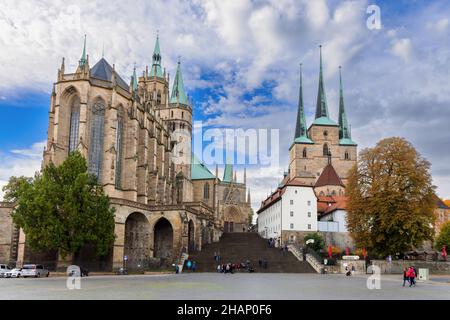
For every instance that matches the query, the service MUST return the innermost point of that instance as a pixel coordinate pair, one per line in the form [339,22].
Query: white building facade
[291,208]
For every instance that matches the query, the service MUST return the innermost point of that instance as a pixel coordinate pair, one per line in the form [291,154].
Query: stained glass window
[96,145]
[119,148]
[74,124]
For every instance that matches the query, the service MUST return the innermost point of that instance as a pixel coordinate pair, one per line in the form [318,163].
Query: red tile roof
[277,194]
[326,205]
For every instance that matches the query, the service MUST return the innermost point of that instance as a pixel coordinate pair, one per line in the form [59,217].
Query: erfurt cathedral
[136,138]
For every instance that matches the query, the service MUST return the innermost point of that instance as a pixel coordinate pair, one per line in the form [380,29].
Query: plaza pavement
[208,286]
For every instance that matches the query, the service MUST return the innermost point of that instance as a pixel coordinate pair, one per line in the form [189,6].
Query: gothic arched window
[96,144]
[119,147]
[206,191]
[325,150]
[304,152]
[158,98]
[74,124]
[347,156]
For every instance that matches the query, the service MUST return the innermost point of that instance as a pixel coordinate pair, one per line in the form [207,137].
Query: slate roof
[102,70]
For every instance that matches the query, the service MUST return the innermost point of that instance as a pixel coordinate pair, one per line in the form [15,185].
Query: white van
[34,270]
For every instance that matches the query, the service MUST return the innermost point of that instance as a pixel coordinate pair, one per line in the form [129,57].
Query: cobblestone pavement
[206,286]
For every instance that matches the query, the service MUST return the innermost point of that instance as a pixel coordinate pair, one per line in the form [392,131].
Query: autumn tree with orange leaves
[390,204]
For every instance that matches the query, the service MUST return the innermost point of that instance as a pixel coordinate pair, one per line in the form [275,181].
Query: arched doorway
[163,240]
[137,241]
[233,220]
[191,236]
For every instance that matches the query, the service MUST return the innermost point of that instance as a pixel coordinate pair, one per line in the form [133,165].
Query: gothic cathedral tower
[325,142]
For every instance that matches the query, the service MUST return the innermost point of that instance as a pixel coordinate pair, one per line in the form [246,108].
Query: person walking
[194,266]
[219,268]
[405,275]
[411,275]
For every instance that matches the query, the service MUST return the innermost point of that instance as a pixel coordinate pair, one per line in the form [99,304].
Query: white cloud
[20,163]
[402,48]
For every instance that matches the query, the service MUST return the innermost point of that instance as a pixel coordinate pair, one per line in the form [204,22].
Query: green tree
[443,239]
[390,198]
[318,244]
[63,208]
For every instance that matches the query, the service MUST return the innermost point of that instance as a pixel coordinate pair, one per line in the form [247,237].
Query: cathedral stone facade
[136,139]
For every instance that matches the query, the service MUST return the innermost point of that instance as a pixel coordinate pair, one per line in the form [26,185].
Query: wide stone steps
[240,247]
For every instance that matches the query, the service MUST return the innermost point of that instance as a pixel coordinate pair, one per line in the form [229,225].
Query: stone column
[21,249]
[119,246]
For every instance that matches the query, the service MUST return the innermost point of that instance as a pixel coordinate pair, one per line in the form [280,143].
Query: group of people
[271,242]
[233,267]
[263,263]
[349,270]
[190,265]
[409,274]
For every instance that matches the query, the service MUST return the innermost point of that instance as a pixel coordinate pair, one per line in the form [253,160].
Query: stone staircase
[239,247]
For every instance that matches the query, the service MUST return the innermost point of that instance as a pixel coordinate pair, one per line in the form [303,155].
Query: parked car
[14,273]
[4,268]
[34,270]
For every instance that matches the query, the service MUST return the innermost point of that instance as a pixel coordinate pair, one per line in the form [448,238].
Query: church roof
[324,121]
[329,204]
[199,171]
[329,177]
[347,142]
[102,70]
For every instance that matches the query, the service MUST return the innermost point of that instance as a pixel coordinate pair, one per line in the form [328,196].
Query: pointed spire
[301,132]
[83,59]
[178,93]
[156,70]
[344,128]
[135,81]
[228,173]
[321,106]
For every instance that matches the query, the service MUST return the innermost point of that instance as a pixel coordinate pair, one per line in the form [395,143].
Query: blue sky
[240,64]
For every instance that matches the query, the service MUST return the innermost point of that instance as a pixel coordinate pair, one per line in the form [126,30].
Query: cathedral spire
[135,82]
[301,132]
[321,106]
[83,59]
[178,93]
[344,129]
[156,69]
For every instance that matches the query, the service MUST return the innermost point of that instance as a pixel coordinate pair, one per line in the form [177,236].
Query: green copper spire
[135,81]
[321,107]
[228,173]
[83,59]
[344,129]
[178,94]
[301,133]
[156,61]
[322,117]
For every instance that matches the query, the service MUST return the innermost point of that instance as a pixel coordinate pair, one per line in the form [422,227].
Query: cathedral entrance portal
[137,242]
[234,221]
[163,240]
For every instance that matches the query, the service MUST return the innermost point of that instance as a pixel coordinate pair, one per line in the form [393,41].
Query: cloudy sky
[240,64]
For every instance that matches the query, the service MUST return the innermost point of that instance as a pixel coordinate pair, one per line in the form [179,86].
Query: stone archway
[137,241]
[191,236]
[163,240]
[233,220]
